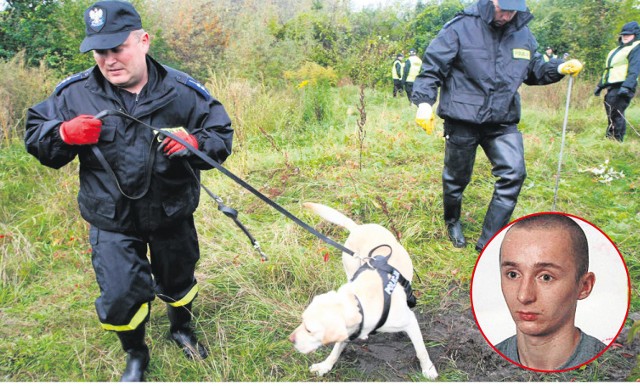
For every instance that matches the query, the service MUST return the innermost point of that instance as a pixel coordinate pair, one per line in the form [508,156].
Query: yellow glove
[425,117]
[570,67]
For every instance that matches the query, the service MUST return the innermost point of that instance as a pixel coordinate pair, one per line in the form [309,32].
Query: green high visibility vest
[618,64]
[414,70]
[394,73]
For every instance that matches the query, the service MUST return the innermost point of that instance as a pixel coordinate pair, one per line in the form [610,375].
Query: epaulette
[456,18]
[72,79]
[194,84]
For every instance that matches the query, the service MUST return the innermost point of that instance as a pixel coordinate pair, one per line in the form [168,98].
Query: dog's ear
[335,333]
[335,326]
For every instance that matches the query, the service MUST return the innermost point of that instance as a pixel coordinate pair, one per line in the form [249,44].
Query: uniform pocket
[181,204]
[90,205]
[107,133]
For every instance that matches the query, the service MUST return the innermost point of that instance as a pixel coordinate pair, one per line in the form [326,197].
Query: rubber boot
[182,333]
[506,153]
[496,218]
[137,354]
[452,219]
[456,174]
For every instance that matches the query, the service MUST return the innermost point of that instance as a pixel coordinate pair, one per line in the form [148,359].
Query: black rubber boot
[182,333]
[452,219]
[506,154]
[459,158]
[496,218]
[137,354]
[455,234]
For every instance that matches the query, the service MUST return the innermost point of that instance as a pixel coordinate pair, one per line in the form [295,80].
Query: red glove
[173,148]
[81,130]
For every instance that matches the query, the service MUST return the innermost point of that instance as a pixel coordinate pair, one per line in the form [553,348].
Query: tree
[586,29]
[190,36]
[46,31]
[430,20]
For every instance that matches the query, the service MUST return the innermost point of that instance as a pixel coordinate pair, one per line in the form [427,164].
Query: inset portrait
[550,292]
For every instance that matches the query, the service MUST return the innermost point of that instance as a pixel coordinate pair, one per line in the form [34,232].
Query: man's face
[125,65]
[549,51]
[500,17]
[627,38]
[538,278]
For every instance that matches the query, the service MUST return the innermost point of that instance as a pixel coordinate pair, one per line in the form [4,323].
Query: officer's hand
[570,67]
[625,92]
[174,148]
[81,130]
[597,91]
[425,117]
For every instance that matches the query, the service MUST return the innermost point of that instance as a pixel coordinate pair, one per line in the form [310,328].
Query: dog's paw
[320,368]
[430,372]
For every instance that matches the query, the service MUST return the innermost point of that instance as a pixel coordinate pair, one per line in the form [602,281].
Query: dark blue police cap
[108,24]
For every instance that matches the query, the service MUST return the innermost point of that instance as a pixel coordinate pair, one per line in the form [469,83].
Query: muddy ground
[460,353]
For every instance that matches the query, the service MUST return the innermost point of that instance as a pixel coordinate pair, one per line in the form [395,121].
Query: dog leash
[204,157]
[229,212]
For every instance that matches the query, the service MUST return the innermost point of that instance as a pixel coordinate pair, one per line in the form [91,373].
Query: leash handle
[204,157]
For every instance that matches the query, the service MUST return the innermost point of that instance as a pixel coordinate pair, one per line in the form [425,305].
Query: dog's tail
[331,215]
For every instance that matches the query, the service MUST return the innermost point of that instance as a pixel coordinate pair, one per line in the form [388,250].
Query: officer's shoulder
[71,80]
[190,82]
[456,19]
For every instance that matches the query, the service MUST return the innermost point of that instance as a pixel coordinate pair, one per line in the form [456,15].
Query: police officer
[548,54]
[480,59]
[620,78]
[411,70]
[396,74]
[137,190]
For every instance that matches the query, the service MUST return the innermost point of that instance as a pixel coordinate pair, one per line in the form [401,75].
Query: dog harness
[390,278]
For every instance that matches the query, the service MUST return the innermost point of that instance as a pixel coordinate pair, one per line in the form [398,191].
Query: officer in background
[620,78]
[396,74]
[137,191]
[548,54]
[479,60]
[411,71]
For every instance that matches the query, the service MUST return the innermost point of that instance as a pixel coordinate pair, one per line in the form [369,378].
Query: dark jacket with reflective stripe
[480,68]
[170,99]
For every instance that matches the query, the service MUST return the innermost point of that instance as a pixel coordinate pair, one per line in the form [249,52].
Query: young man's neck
[548,352]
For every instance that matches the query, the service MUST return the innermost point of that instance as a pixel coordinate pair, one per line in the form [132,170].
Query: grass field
[247,308]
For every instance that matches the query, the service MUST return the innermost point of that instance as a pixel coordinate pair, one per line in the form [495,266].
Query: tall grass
[20,87]
[247,308]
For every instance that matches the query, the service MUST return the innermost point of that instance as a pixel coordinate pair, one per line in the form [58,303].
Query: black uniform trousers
[397,87]
[615,106]
[408,88]
[129,281]
[503,146]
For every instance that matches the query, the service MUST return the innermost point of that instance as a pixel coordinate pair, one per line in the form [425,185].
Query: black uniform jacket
[170,99]
[480,68]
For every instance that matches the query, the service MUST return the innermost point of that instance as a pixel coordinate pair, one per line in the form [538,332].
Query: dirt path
[460,353]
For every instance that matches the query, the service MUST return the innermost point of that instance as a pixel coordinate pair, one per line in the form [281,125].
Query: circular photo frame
[524,303]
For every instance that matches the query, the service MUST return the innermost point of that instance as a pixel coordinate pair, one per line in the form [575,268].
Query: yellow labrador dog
[356,308]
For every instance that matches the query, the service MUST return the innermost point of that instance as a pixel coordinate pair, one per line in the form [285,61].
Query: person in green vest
[548,54]
[620,78]
[411,71]
[396,74]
